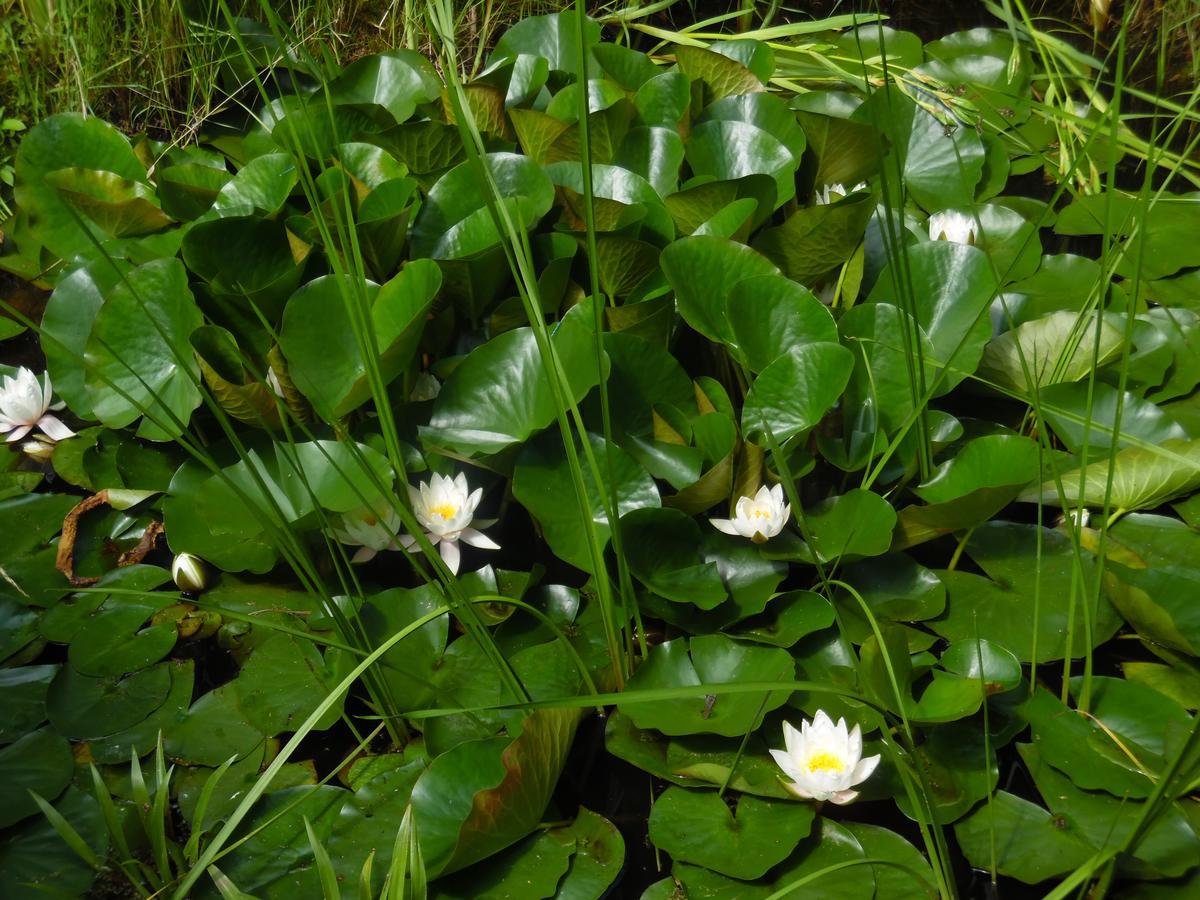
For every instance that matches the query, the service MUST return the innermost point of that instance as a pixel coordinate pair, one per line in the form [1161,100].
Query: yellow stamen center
[824,762]
[444,510]
[761,513]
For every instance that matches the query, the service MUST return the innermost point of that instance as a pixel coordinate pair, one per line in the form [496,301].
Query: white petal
[798,790]
[407,541]
[821,722]
[791,737]
[784,761]
[19,433]
[450,553]
[460,482]
[54,429]
[864,769]
[842,732]
[747,528]
[364,554]
[854,743]
[841,798]
[478,539]
[725,525]
[472,502]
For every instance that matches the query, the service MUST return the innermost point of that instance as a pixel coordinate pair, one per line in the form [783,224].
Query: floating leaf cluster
[790,405]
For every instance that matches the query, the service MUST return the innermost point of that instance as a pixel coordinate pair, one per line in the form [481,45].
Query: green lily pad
[554,37]
[408,668]
[748,134]
[662,546]
[981,660]
[188,190]
[1082,748]
[722,76]
[213,729]
[882,377]
[324,358]
[895,588]
[532,868]
[815,240]
[112,640]
[260,187]
[282,682]
[699,760]
[543,485]
[1142,716]
[373,813]
[35,859]
[23,699]
[704,660]
[484,795]
[818,857]
[956,769]
[1003,605]
[452,224]
[654,152]
[769,315]
[275,860]
[84,707]
[1021,840]
[703,272]
[135,367]
[855,524]
[915,879]
[143,736]
[941,162]
[1068,411]
[698,827]
[120,206]
[794,393]
[1055,349]
[787,618]
[1166,849]
[508,370]
[59,142]
[398,81]
[953,286]
[598,858]
[1142,478]
[42,762]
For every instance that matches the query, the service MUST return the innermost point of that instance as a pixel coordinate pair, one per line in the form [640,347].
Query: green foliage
[708,387]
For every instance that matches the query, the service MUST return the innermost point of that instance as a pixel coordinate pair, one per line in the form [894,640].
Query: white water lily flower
[760,517]
[25,405]
[824,761]
[445,507]
[370,532]
[831,193]
[951,225]
[1080,518]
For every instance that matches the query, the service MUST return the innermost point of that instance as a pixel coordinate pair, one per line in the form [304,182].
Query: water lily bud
[952,225]
[190,573]
[38,449]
